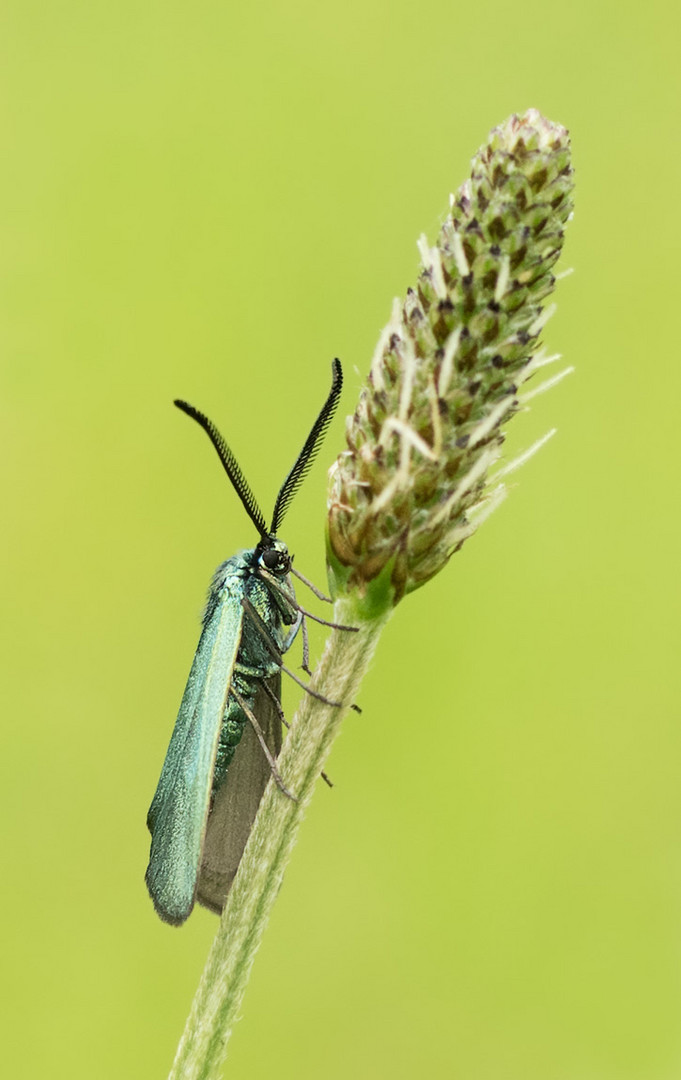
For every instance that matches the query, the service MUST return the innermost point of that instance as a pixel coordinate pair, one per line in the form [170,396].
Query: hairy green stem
[218,999]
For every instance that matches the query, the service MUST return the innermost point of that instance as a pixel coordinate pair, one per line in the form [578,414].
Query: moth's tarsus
[306,647]
[303,611]
[277,704]
[325,622]
[309,690]
[313,588]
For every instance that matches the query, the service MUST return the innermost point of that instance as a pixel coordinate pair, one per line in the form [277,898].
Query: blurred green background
[211,200]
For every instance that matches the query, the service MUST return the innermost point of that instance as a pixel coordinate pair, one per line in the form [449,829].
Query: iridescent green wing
[179,810]
[237,799]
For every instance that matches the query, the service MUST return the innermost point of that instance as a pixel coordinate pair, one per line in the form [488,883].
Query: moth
[228,730]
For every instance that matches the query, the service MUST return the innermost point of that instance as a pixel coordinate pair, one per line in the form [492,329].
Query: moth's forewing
[179,810]
[236,802]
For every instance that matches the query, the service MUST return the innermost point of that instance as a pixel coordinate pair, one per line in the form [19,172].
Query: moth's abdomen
[246,681]
[230,734]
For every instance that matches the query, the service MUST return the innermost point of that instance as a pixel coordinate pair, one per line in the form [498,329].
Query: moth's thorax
[245,576]
[273,559]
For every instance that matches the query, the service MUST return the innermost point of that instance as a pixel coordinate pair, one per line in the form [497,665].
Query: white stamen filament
[438,274]
[542,319]
[460,255]
[539,361]
[543,387]
[435,419]
[393,326]
[491,420]
[472,476]
[430,257]
[502,278]
[410,437]
[522,458]
[408,376]
[486,507]
[447,367]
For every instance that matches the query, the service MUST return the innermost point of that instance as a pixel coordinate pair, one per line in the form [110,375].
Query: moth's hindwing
[236,801]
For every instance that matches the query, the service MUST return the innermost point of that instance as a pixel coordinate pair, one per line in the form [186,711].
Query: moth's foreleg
[271,580]
[313,588]
[325,622]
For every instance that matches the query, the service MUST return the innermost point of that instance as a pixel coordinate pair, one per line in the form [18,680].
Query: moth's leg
[274,652]
[325,622]
[275,701]
[313,588]
[293,630]
[271,580]
[279,588]
[306,648]
[262,628]
[314,693]
[277,704]
[261,739]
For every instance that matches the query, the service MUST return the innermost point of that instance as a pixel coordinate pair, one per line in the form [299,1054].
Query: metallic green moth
[228,729]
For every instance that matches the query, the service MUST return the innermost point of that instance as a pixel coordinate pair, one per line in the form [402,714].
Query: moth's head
[273,556]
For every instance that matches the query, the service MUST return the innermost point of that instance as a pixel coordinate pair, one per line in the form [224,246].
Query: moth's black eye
[276,561]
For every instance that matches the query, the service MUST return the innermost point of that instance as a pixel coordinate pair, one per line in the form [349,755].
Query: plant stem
[218,999]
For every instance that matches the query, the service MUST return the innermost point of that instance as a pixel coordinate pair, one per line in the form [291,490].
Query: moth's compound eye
[278,562]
